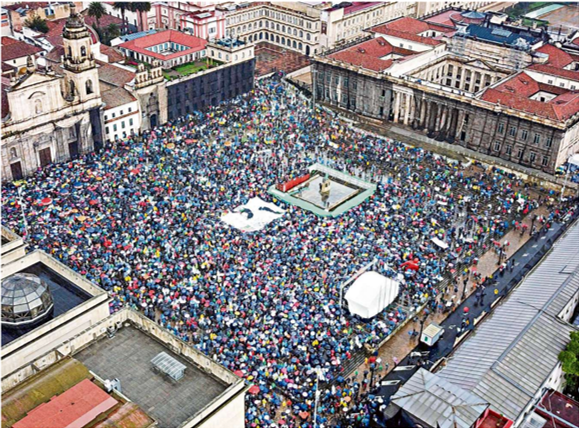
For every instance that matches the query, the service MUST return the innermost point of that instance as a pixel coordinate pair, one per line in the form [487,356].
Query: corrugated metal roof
[437,402]
[514,351]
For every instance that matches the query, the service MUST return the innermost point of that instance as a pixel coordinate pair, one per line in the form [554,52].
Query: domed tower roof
[26,300]
[75,28]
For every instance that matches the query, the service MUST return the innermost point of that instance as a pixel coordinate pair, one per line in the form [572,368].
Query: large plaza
[143,219]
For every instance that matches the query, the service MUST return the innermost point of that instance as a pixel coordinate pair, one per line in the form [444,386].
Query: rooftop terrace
[127,356]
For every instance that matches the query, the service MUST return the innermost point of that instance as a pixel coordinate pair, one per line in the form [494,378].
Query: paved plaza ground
[143,220]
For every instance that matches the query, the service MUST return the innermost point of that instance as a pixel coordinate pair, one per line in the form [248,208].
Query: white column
[407,109]
[396,106]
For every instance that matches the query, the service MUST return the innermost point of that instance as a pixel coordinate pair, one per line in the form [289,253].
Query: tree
[140,8]
[570,364]
[123,7]
[36,23]
[113,31]
[96,10]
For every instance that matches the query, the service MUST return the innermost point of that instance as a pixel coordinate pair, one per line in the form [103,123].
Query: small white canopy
[371,293]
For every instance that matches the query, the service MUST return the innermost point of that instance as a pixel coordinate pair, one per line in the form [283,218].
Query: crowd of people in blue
[142,220]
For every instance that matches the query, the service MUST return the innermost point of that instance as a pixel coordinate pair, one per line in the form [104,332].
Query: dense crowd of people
[142,220]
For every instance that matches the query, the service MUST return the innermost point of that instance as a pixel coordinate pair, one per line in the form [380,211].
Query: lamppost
[319,375]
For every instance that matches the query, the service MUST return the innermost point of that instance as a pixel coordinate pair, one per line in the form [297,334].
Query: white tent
[371,293]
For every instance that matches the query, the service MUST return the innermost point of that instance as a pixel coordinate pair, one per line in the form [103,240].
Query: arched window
[294,44]
[13,153]
[82,51]
[283,40]
[38,106]
[89,87]
[300,46]
[69,51]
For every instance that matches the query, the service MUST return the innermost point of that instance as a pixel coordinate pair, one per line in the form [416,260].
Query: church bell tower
[82,81]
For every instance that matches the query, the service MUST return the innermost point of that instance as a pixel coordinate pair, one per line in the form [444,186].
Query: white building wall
[122,121]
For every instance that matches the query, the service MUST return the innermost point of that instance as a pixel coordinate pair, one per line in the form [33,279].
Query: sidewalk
[526,253]
[400,345]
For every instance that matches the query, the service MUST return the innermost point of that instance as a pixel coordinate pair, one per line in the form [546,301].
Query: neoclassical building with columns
[517,99]
[54,113]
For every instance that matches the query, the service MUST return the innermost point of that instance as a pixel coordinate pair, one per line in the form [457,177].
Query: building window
[13,153]
[38,106]
[130,109]
[532,157]
[82,51]
[107,130]
[123,124]
[508,150]
[513,131]
[549,141]
[106,117]
[131,122]
[115,127]
[520,153]
[497,146]
[89,87]
[121,112]
[501,128]
[524,135]
[71,132]
[537,139]
[545,160]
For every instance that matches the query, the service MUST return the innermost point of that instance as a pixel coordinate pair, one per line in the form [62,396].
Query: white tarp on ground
[254,215]
[371,293]
[440,243]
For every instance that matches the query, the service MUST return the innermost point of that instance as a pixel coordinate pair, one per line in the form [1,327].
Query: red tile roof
[515,93]
[452,17]
[549,69]
[367,54]
[26,5]
[8,41]
[18,50]
[114,75]
[114,96]
[194,44]
[557,57]
[409,28]
[104,21]
[113,54]
[76,406]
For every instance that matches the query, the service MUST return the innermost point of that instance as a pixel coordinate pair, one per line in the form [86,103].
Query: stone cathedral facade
[55,113]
